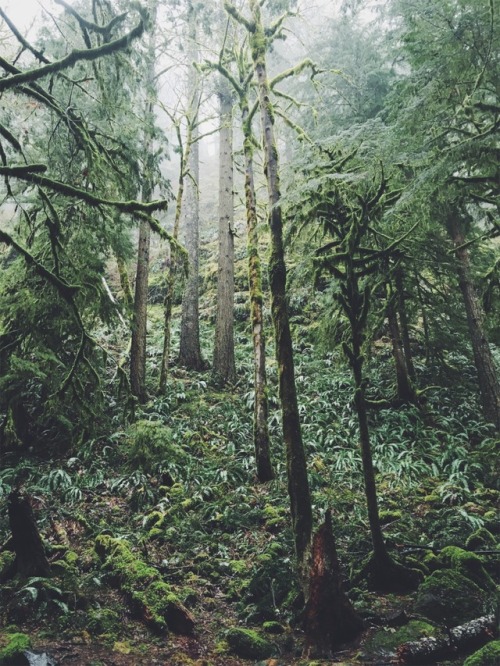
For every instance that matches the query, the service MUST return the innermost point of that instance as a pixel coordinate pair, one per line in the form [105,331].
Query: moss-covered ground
[163,507]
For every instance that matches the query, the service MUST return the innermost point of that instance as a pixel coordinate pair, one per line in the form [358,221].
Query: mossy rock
[273,627]
[468,564]
[103,621]
[12,647]
[6,564]
[489,655]
[248,644]
[386,641]
[481,539]
[447,596]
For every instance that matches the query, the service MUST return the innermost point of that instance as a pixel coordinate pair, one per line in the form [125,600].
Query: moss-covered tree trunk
[405,390]
[489,386]
[139,322]
[298,484]
[224,367]
[172,269]
[403,319]
[190,350]
[261,410]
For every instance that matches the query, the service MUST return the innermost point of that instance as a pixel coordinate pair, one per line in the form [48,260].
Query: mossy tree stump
[28,547]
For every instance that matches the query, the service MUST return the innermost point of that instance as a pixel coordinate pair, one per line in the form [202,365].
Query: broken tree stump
[27,542]
[329,617]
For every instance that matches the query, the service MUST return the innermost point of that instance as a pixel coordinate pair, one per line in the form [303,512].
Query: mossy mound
[468,564]
[12,647]
[386,641]
[489,655]
[151,443]
[248,644]
[481,539]
[449,597]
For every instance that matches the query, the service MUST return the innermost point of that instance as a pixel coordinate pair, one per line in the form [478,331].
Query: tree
[139,325]
[70,176]
[452,151]
[224,368]
[298,484]
[190,350]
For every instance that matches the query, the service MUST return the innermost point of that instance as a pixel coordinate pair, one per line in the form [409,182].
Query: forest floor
[175,485]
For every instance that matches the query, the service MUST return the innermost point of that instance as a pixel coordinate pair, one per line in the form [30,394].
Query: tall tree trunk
[224,367]
[403,319]
[489,387]
[172,271]
[260,426]
[140,314]
[190,351]
[405,389]
[139,326]
[298,484]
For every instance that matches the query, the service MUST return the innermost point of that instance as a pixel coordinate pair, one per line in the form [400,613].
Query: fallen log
[461,639]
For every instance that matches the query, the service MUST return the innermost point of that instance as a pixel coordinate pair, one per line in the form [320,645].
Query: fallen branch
[464,638]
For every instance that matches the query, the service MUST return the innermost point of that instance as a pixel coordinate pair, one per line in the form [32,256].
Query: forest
[249,332]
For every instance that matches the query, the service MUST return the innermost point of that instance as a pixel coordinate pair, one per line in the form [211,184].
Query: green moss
[272,627]
[448,596]
[12,646]
[468,564]
[154,598]
[390,516]
[6,561]
[481,539]
[248,644]
[150,443]
[103,621]
[387,640]
[489,655]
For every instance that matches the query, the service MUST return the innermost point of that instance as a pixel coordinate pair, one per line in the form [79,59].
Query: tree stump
[329,618]
[28,546]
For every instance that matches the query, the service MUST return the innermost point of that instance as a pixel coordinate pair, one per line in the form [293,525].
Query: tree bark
[224,367]
[403,318]
[489,386]
[28,547]
[298,484]
[261,409]
[190,351]
[140,315]
[406,393]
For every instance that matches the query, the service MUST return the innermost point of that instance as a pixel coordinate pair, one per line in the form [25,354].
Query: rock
[468,564]
[448,597]
[248,644]
[13,646]
[489,655]
[384,642]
